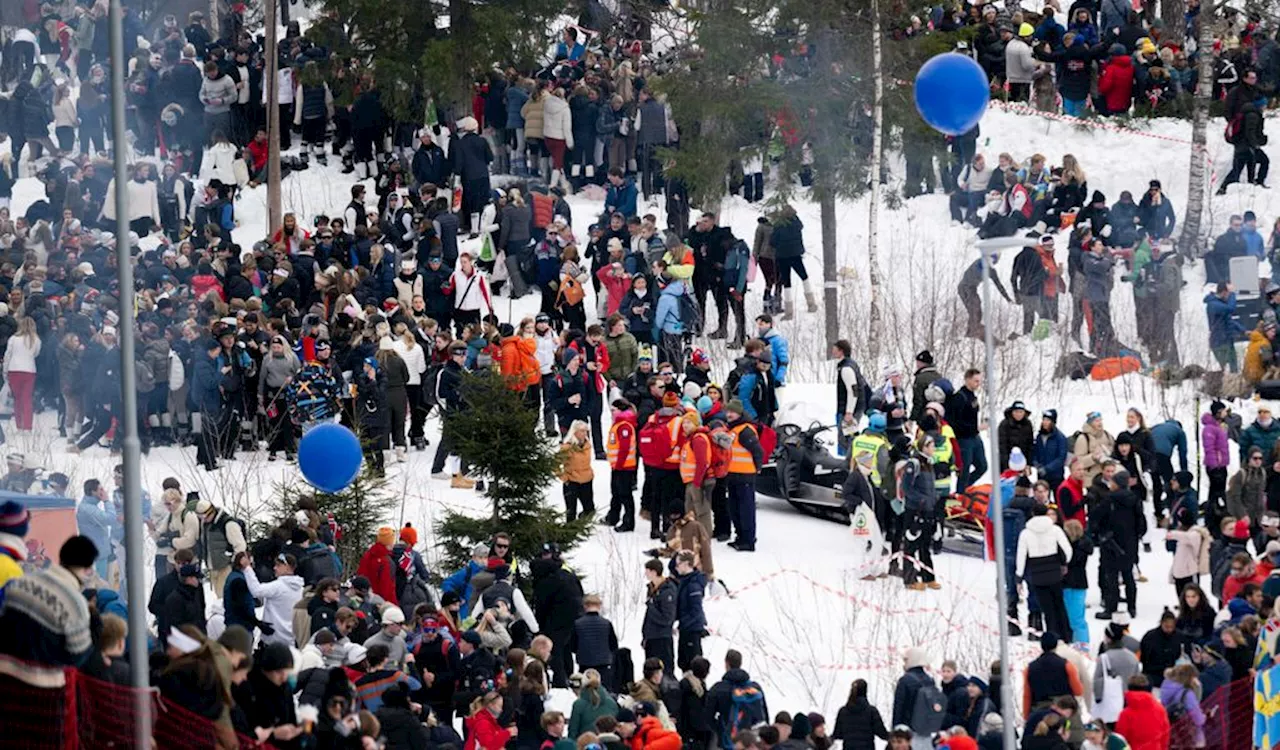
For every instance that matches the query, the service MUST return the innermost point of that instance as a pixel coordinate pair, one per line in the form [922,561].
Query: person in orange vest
[695,468]
[621,453]
[660,442]
[745,459]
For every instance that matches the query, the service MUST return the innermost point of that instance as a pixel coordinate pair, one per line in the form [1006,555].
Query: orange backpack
[1114,367]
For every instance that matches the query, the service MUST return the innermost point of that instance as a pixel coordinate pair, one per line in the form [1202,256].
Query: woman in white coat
[20,370]
[415,358]
[557,134]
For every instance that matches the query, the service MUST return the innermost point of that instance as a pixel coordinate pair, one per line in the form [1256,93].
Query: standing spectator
[593,644]
[1046,551]
[659,616]
[735,703]
[278,597]
[20,370]
[914,686]
[469,159]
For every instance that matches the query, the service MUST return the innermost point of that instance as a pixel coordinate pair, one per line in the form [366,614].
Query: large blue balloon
[329,457]
[952,92]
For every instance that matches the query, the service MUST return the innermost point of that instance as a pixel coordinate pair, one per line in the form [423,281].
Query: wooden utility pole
[274,213]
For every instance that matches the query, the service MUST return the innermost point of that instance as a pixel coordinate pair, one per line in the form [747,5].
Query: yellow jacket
[1257,357]
[577,462]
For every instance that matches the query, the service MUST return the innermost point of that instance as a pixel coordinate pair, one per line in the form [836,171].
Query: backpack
[730,391]
[177,373]
[1178,708]
[928,713]
[690,315]
[1235,126]
[658,440]
[746,711]
[431,395]
[720,457]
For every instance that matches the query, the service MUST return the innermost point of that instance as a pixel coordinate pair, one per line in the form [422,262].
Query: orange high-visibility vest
[740,461]
[611,446]
[689,461]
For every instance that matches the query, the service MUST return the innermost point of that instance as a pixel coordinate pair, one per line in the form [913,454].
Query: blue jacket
[95,523]
[1050,453]
[1086,33]
[516,97]
[689,602]
[460,584]
[780,353]
[109,604]
[204,395]
[666,318]
[622,198]
[1223,331]
[1169,436]
[1050,31]
[1253,243]
[737,262]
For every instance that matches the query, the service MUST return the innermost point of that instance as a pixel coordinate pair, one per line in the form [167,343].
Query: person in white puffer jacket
[1043,554]
[415,358]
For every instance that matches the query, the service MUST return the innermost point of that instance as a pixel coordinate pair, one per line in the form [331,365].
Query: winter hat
[992,722]
[1092,416]
[915,657]
[1185,478]
[670,400]
[1269,520]
[184,643]
[625,716]
[392,615]
[877,422]
[360,583]
[387,536]
[1117,49]
[692,418]
[1241,530]
[699,356]
[925,357]
[355,654]
[816,720]
[1026,30]
[15,519]
[1049,641]
[372,362]
[274,656]
[190,570]
[703,404]
[568,357]
[481,549]
[1124,438]
[800,726]
[78,552]
[472,637]
[1115,632]
[735,407]
[936,408]
[1098,197]
[409,535]
[1121,478]
[691,390]
[448,598]
[1018,405]
[468,125]
[1051,415]
[1017,461]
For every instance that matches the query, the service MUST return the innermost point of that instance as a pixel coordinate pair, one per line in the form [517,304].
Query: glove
[266,628]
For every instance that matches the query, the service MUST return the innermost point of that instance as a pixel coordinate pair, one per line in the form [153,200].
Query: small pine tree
[497,436]
[366,504]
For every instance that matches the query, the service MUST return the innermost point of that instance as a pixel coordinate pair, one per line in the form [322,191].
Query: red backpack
[659,441]
[720,455]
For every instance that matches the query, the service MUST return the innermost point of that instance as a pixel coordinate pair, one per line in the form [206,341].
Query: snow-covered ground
[806,622]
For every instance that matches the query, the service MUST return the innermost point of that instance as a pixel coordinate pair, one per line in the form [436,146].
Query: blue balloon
[952,92]
[329,457]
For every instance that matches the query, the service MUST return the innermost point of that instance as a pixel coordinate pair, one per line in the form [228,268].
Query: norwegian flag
[406,563]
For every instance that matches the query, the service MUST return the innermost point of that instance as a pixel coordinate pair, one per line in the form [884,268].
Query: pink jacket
[1216,448]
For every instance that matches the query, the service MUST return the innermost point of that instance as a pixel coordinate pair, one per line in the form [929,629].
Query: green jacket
[583,717]
[624,353]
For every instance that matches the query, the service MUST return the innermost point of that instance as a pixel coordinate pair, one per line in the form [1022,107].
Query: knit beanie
[387,536]
[14,518]
[409,535]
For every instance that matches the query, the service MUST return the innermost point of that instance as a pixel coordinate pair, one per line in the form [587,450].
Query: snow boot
[348,166]
[809,298]
[321,158]
[788,304]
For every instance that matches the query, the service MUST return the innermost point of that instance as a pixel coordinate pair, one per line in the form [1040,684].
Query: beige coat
[532,114]
[1191,556]
[1093,446]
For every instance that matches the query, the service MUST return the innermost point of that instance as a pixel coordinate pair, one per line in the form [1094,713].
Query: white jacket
[144,201]
[546,353]
[1041,538]
[21,356]
[415,359]
[310,658]
[278,599]
[469,295]
[557,121]
[219,162]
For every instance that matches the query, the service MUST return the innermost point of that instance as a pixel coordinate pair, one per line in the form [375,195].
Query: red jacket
[483,732]
[651,736]
[601,359]
[376,566]
[1071,502]
[1116,85]
[1233,584]
[259,153]
[1143,722]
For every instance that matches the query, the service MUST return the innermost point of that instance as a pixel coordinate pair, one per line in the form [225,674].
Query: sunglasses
[502,546]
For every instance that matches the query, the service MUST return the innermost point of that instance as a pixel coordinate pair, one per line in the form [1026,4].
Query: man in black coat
[185,603]
[659,617]
[1116,523]
[1230,244]
[557,603]
[594,641]
[437,657]
[1155,212]
[1075,63]
[476,669]
[1248,153]
[430,165]
[469,158]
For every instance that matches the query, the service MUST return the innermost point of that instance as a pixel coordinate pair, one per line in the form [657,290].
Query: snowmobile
[804,472]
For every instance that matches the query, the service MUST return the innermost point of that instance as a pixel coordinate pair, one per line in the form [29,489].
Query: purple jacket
[1216,449]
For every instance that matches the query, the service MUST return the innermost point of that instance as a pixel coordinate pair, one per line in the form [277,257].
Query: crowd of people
[373,313]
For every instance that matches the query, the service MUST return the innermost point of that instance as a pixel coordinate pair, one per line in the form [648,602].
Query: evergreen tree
[359,510]
[496,434]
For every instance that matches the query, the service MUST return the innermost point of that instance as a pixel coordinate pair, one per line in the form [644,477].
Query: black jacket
[962,413]
[430,165]
[660,611]
[1013,434]
[557,597]
[184,606]
[1160,651]
[594,641]
[402,730]
[469,158]
[1076,66]
[858,724]
[164,586]
[720,698]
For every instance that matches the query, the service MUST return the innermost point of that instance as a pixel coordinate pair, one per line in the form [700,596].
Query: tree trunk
[830,299]
[1172,12]
[877,160]
[1198,187]
[275,218]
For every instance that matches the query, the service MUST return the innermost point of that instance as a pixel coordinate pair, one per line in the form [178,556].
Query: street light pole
[987,249]
[135,565]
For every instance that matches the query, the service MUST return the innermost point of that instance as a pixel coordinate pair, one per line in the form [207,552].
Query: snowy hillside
[805,621]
